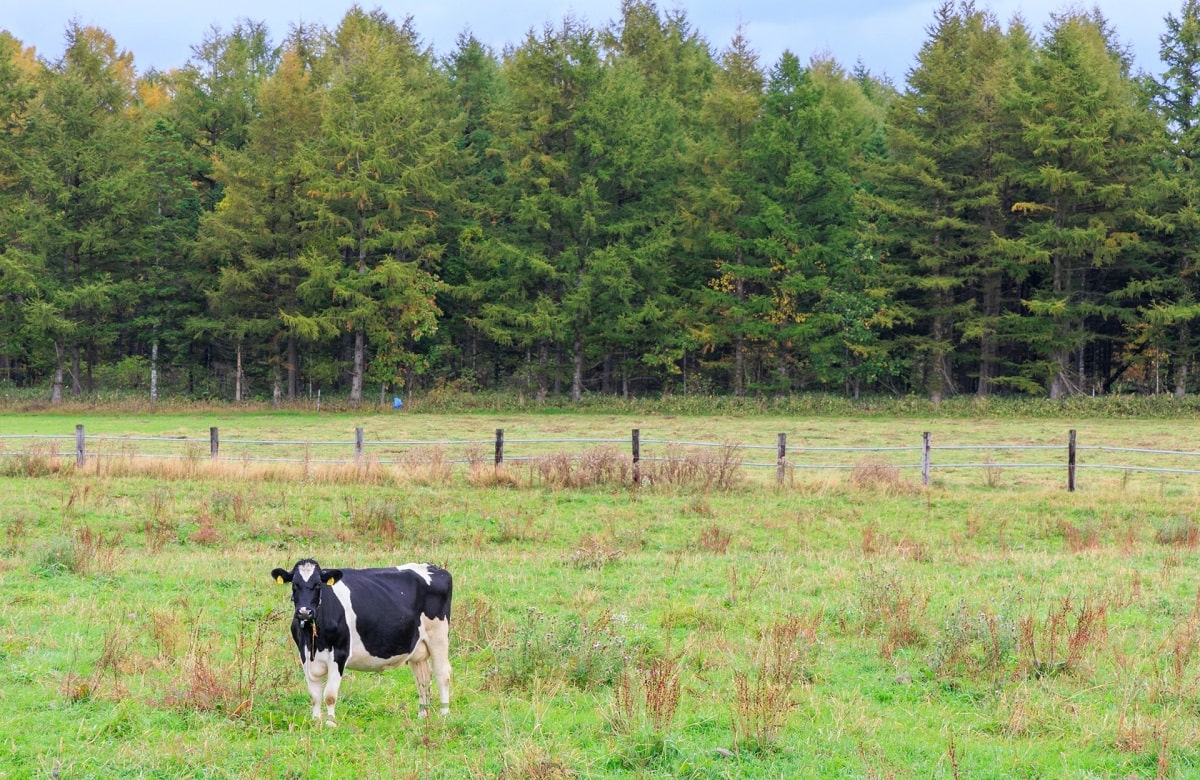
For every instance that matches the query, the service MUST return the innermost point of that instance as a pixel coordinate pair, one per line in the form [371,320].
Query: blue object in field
[397,403]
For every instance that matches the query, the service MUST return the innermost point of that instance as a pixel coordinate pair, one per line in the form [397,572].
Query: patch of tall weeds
[974,644]
[1182,532]
[716,469]
[764,690]
[877,475]
[568,649]
[35,460]
[85,551]
[892,609]
[596,467]
[1059,642]
[209,681]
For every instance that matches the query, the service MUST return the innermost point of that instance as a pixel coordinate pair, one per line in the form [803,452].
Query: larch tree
[255,234]
[678,68]
[941,198]
[717,204]
[88,146]
[1088,148]
[22,205]
[823,303]
[1172,202]
[530,271]
[374,181]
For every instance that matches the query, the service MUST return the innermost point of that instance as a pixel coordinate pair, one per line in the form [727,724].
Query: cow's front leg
[314,675]
[333,683]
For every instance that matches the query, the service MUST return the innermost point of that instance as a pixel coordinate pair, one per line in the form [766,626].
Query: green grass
[817,630]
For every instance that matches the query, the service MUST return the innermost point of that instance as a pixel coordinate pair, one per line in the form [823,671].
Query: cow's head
[308,579]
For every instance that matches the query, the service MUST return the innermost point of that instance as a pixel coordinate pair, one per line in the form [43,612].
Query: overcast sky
[884,34]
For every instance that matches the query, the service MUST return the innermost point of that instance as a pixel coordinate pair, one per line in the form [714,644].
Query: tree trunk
[76,371]
[293,368]
[154,374]
[941,380]
[577,367]
[237,377]
[739,342]
[543,362]
[1185,359]
[356,381]
[987,341]
[56,387]
[360,339]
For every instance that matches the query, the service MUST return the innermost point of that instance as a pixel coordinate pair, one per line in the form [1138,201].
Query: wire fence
[785,458]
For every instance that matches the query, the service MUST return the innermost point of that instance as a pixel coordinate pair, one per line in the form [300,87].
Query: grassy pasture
[848,624]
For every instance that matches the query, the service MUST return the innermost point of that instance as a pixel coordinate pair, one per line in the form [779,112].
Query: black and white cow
[370,620]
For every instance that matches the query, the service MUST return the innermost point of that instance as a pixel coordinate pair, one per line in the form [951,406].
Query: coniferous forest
[624,210]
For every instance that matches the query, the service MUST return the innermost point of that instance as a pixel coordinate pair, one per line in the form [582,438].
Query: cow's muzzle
[304,614]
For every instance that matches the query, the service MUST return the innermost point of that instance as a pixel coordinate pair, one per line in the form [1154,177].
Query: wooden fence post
[80,455]
[499,447]
[637,456]
[1071,462]
[781,458]
[358,446]
[214,442]
[925,458]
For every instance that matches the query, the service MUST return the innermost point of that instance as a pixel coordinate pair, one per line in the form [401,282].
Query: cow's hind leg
[420,669]
[437,636]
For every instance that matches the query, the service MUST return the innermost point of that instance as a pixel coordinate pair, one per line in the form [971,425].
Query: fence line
[787,457]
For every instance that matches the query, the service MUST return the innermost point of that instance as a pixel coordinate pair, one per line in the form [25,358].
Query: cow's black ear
[330,576]
[281,575]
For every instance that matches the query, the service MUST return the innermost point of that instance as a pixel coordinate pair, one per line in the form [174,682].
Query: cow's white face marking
[306,571]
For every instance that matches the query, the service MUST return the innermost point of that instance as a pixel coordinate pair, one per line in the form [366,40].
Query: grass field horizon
[845,624]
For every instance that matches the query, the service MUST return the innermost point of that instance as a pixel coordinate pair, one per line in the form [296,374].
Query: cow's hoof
[444,711]
[422,713]
[329,723]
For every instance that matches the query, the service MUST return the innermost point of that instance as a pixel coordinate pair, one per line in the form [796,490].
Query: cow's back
[383,608]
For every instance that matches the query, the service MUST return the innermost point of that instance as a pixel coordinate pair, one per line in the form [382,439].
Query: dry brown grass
[880,476]
[594,551]
[764,696]
[647,695]
[1059,642]
[696,468]
[892,608]
[714,539]
[599,466]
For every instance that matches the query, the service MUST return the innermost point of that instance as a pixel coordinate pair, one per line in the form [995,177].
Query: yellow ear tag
[329,581]
[279,580]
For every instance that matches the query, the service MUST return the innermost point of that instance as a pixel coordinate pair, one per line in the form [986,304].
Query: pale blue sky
[884,34]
